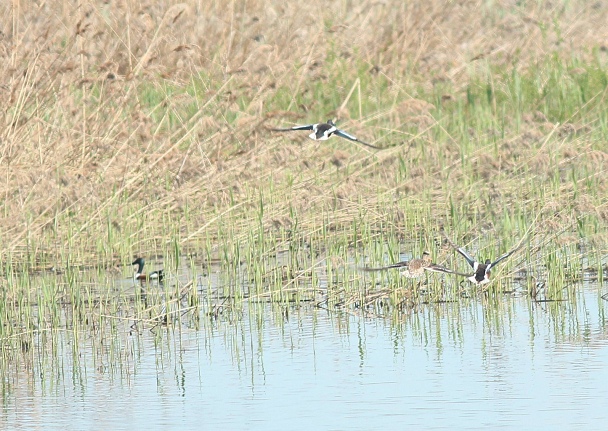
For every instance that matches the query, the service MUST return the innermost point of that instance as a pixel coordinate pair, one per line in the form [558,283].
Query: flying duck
[415,268]
[323,131]
[481,271]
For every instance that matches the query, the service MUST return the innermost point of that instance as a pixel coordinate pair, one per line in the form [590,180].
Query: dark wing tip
[345,135]
[506,255]
[367,269]
[369,145]
[383,268]
[448,239]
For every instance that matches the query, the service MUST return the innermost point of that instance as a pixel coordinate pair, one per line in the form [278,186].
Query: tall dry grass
[129,126]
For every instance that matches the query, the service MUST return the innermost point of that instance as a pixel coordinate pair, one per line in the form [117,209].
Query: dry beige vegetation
[131,125]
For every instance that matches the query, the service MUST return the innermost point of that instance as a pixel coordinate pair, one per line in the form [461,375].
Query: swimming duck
[139,275]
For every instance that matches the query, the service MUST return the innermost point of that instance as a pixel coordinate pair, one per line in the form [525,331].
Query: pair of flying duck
[416,267]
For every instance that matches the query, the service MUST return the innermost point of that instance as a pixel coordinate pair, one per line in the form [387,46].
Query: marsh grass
[145,132]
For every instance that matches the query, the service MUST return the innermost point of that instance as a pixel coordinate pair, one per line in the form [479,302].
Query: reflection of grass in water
[114,347]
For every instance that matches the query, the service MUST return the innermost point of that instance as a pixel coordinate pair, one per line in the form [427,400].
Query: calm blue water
[446,367]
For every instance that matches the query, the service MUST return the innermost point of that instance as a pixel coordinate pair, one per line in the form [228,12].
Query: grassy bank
[142,129]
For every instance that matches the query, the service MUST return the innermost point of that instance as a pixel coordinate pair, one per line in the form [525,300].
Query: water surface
[504,363]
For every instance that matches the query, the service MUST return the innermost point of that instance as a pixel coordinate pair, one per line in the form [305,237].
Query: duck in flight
[415,268]
[139,274]
[481,271]
[323,131]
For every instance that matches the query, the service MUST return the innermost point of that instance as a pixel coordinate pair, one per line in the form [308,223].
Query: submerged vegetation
[137,129]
